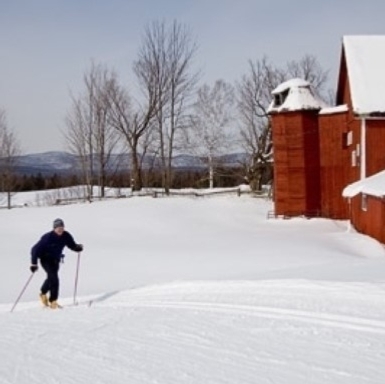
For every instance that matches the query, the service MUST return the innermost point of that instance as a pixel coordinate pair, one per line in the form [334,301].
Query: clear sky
[46,45]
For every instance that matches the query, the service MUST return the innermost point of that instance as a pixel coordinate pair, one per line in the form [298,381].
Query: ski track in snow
[199,333]
[331,320]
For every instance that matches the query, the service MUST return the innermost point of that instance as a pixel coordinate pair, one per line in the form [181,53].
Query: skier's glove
[33,268]
[79,248]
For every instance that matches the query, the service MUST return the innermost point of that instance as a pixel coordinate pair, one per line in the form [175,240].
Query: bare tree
[9,151]
[309,68]
[134,122]
[165,60]
[78,136]
[89,133]
[254,97]
[210,134]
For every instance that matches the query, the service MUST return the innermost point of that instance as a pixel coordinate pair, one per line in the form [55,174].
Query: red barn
[319,150]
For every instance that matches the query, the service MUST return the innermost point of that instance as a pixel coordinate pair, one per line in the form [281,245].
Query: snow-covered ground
[194,290]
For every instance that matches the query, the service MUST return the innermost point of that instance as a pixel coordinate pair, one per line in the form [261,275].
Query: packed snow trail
[281,331]
[143,241]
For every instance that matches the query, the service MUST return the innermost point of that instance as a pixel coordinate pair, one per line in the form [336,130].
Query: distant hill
[49,163]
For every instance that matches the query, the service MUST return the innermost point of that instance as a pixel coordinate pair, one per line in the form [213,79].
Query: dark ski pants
[51,284]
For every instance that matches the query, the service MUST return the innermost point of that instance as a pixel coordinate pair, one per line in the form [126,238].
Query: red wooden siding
[375,146]
[312,161]
[296,163]
[371,221]
[336,164]
[343,89]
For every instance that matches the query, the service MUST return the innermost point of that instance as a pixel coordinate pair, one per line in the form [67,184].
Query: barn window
[364,202]
[277,100]
[354,159]
[280,98]
[347,139]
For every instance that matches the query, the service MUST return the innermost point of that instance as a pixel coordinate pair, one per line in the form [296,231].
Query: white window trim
[349,138]
[364,202]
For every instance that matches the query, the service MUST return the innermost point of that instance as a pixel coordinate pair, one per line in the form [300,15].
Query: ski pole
[76,278]
[22,291]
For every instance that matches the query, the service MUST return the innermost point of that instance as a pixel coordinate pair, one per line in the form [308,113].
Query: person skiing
[49,250]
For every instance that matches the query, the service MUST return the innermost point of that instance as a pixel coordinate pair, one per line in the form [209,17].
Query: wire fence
[158,193]
[80,194]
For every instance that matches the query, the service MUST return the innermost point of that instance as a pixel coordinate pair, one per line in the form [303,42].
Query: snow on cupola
[295,95]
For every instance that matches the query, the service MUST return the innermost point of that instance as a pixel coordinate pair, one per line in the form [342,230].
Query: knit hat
[58,223]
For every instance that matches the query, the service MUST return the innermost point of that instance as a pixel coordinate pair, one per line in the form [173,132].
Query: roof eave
[368,115]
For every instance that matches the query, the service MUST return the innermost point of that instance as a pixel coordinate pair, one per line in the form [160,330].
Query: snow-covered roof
[333,110]
[372,185]
[295,95]
[365,60]
[290,84]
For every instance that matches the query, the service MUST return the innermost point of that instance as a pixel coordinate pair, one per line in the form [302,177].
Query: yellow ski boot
[44,299]
[55,305]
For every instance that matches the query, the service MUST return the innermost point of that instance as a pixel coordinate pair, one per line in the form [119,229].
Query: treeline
[182,178]
[38,182]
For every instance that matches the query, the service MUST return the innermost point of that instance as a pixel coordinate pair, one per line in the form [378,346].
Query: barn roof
[365,61]
[372,185]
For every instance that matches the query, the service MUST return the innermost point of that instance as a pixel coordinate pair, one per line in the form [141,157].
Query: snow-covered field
[187,290]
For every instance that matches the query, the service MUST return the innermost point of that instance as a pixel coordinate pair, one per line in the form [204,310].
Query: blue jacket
[51,246]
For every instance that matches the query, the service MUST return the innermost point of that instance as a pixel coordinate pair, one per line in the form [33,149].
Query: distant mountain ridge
[64,163]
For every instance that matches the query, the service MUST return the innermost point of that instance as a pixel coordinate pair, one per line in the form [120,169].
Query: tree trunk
[211,172]
[136,171]
[9,199]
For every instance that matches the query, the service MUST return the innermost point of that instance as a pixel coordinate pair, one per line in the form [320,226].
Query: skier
[49,250]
